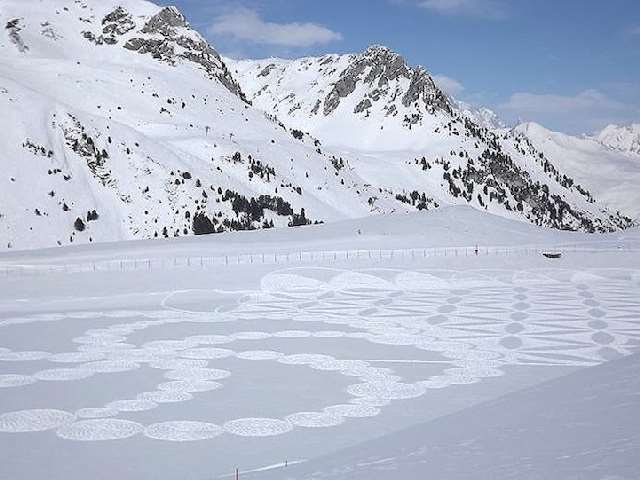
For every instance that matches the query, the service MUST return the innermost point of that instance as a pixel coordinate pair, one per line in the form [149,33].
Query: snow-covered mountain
[611,174]
[401,133]
[621,137]
[121,122]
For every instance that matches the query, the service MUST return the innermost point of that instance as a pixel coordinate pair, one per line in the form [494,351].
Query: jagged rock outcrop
[114,25]
[379,67]
[14,27]
[168,37]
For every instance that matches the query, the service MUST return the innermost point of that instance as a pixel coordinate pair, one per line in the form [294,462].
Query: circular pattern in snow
[292,334]
[132,405]
[260,355]
[76,357]
[354,411]
[368,311]
[185,431]
[250,335]
[178,363]
[370,401]
[315,419]
[105,339]
[36,420]
[189,386]
[168,346]
[286,282]
[258,427]
[198,374]
[111,366]
[209,339]
[387,391]
[63,374]
[96,412]
[99,429]
[306,359]
[8,381]
[206,353]
[23,356]
[106,348]
[165,396]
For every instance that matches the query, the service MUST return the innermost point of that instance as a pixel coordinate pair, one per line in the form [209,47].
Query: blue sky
[572,65]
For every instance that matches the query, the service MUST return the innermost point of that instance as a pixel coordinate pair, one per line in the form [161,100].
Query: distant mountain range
[121,122]
[623,138]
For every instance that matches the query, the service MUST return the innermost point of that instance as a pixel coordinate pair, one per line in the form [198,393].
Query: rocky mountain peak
[378,67]
[165,22]
[167,37]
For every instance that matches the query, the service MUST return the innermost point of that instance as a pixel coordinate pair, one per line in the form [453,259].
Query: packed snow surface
[293,367]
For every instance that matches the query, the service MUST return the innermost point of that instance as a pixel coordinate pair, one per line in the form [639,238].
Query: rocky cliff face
[406,136]
[167,37]
[388,78]
[375,82]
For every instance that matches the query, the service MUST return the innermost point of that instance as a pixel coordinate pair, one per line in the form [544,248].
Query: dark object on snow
[552,254]
[79,225]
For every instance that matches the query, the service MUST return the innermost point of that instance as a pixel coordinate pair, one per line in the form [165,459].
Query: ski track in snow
[477,321]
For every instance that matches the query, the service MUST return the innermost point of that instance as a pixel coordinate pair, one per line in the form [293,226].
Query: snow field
[476,322]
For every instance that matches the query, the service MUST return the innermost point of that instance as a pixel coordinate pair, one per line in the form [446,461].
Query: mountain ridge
[123,123]
[625,138]
[380,128]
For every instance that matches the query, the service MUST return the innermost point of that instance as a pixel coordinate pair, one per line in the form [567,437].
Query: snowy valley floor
[502,365]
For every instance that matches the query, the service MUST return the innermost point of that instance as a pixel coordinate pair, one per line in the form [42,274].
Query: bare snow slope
[399,131]
[120,122]
[612,175]
[559,426]
[153,372]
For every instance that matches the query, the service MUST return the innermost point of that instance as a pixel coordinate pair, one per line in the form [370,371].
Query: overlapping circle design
[477,321]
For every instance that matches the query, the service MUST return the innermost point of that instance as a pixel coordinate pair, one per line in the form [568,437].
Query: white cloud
[247,25]
[585,101]
[450,85]
[584,112]
[490,9]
